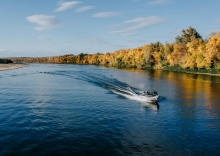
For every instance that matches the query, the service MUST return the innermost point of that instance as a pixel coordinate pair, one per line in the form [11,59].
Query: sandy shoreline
[11,66]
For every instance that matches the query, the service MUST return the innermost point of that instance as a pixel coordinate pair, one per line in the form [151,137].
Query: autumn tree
[168,49]
[175,58]
[213,51]
[158,55]
[195,55]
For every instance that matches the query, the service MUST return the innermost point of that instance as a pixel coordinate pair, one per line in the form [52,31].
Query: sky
[38,28]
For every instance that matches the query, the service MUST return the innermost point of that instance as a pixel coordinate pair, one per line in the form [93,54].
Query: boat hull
[150,99]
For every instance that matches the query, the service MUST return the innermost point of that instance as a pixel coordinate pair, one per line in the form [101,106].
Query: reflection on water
[188,86]
[192,90]
[154,106]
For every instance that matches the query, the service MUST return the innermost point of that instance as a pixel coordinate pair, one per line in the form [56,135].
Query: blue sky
[53,27]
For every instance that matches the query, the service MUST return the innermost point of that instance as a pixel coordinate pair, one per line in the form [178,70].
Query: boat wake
[111,84]
[117,87]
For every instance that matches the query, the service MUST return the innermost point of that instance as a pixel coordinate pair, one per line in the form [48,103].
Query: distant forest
[190,52]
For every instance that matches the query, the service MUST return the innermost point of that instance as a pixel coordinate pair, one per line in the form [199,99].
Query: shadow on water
[154,106]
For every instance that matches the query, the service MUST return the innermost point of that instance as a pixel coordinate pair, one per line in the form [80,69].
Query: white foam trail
[120,88]
[124,91]
[132,97]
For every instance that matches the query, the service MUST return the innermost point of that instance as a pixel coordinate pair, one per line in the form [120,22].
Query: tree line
[189,52]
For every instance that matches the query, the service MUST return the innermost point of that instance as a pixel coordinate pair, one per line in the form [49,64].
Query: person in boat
[150,93]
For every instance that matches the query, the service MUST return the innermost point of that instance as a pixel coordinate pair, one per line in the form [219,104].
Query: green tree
[5,61]
[188,35]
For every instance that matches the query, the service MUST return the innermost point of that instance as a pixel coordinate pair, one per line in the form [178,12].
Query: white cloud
[44,22]
[130,34]
[158,2]
[142,22]
[131,26]
[84,9]
[138,19]
[66,6]
[105,14]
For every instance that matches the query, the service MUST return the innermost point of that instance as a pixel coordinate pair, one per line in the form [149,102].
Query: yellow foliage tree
[195,56]
[179,51]
[213,51]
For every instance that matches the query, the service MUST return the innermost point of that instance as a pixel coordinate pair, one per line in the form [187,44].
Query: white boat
[149,96]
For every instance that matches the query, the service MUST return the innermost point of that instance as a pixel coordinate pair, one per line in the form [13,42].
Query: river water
[87,110]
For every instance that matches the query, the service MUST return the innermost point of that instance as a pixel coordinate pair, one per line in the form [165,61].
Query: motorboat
[149,96]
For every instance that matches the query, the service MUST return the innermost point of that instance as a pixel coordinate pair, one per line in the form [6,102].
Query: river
[77,110]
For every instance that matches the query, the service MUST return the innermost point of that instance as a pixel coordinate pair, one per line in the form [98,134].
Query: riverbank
[11,66]
[211,72]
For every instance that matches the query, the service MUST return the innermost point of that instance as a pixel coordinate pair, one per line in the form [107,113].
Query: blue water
[87,110]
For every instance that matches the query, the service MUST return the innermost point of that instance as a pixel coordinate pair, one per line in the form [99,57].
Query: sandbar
[11,66]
